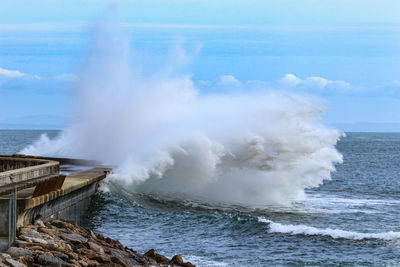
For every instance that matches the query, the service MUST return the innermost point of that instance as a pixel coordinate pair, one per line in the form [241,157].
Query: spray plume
[251,148]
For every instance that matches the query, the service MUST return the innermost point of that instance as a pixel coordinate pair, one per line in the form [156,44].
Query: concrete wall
[18,170]
[4,208]
[69,207]
[7,164]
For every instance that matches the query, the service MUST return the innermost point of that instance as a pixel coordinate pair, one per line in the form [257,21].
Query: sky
[345,52]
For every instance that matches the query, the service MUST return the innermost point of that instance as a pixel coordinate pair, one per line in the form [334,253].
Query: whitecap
[334,233]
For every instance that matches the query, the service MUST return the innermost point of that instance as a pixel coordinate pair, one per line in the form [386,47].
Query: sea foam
[333,233]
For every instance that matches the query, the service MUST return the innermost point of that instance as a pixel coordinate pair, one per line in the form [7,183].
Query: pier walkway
[30,186]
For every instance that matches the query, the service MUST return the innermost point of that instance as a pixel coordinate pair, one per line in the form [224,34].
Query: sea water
[351,220]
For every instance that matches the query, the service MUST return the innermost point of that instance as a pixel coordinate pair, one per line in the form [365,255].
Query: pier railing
[15,170]
[17,174]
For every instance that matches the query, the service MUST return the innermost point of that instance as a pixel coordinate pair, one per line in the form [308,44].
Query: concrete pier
[30,186]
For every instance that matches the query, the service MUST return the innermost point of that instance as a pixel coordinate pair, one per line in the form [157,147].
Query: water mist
[165,137]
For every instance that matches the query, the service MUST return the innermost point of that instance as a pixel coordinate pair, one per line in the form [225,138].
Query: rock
[92,235]
[28,261]
[39,223]
[21,243]
[85,251]
[36,240]
[157,257]
[69,247]
[74,262]
[95,247]
[188,264]
[23,230]
[18,252]
[32,233]
[36,248]
[62,224]
[100,236]
[161,259]
[5,256]
[151,253]
[48,231]
[73,255]
[35,237]
[83,263]
[73,238]
[100,258]
[61,243]
[176,260]
[60,255]
[51,260]
[118,261]
[92,263]
[14,263]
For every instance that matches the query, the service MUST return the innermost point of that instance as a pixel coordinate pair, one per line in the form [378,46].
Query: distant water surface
[352,220]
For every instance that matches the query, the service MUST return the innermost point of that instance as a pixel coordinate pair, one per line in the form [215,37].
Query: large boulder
[95,247]
[176,260]
[14,263]
[73,238]
[47,260]
[19,252]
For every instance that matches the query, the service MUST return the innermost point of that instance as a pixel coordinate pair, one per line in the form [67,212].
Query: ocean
[351,220]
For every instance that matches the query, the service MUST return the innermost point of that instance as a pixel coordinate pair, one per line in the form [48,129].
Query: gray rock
[36,240]
[32,233]
[21,243]
[39,223]
[14,263]
[52,261]
[5,255]
[60,255]
[18,252]
[176,260]
[73,238]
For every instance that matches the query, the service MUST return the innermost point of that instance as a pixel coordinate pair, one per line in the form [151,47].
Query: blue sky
[347,52]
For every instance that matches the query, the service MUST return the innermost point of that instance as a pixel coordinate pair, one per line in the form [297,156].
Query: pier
[30,186]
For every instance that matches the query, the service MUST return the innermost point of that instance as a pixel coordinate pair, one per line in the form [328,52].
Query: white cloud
[312,83]
[289,80]
[316,82]
[228,80]
[14,74]
[11,73]
[309,85]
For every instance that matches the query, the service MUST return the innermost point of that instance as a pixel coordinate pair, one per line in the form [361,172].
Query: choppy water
[352,220]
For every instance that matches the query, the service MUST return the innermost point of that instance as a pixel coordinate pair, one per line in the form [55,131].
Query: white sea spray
[247,147]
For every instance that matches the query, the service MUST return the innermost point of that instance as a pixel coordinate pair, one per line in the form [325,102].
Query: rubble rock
[176,260]
[73,238]
[61,243]
[19,252]
[47,260]
[14,263]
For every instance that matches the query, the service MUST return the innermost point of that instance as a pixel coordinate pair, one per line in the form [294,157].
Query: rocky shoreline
[62,243]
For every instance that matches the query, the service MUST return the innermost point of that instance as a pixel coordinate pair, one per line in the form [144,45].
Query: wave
[333,233]
[165,136]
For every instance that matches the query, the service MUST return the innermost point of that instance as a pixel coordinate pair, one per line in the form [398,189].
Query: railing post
[12,218]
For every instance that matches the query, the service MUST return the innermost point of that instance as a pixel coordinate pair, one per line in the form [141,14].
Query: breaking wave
[333,233]
[165,136]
